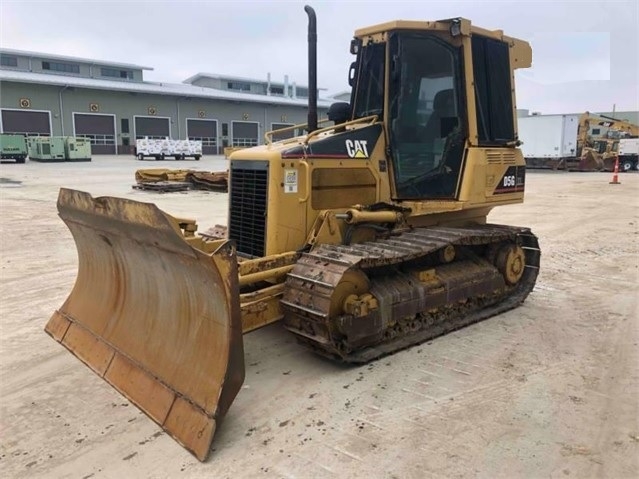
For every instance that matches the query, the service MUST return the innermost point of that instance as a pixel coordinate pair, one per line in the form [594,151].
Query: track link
[409,312]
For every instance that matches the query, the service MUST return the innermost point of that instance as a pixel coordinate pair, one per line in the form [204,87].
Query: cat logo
[357,148]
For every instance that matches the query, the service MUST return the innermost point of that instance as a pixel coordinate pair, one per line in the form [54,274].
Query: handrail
[369,119]
[268,136]
[307,181]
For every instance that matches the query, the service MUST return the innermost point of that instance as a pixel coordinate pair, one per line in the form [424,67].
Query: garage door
[27,122]
[244,133]
[284,135]
[204,131]
[98,128]
[152,127]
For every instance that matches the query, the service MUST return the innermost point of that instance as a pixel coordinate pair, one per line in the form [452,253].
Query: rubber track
[317,274]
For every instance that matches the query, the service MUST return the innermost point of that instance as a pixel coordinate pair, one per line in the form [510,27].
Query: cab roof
[466,27]
[520,48]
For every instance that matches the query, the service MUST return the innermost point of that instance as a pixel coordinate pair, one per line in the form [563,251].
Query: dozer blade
[156,318]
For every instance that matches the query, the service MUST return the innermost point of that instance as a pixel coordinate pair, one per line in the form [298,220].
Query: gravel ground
[547,390]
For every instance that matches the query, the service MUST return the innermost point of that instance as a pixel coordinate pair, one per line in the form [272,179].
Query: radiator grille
[247,206]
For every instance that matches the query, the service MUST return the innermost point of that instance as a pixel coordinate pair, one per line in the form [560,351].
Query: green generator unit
[77,149]
[30,144]
[46,149]
[13,147]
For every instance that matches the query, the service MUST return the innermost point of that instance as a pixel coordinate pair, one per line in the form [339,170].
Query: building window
[225,129]
[244,142]
[8,61]
[596,131]
[206,140]
[97,139]
[277,90]
[124,125]
[239,86]
[115,73]
[61,67]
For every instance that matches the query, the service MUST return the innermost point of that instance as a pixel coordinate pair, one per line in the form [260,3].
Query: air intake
[500,157]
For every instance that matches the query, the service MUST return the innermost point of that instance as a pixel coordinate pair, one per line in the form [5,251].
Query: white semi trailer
[628,154]
[548,140]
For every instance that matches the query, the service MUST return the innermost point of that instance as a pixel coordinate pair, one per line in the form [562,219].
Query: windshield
[427,111]
[369,97]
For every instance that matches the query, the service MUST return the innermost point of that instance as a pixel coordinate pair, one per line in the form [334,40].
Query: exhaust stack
[312,69]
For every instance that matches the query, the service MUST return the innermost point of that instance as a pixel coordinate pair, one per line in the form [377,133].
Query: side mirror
[339,112]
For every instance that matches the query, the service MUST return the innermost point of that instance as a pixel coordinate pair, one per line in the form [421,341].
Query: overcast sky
[585,53]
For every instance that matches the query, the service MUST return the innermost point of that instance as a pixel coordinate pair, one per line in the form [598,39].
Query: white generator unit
[160,149]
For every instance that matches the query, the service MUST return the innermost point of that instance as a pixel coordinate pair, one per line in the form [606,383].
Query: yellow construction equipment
[616,128]
[365,237]
[600,152]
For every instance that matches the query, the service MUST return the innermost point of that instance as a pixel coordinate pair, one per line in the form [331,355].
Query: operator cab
[414,81]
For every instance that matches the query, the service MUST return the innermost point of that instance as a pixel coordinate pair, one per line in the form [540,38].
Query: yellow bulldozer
[365,236]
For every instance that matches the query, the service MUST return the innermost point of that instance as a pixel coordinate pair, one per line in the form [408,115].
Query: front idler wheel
[510,260]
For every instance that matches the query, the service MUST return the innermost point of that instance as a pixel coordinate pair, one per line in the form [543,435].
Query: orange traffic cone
[615,175]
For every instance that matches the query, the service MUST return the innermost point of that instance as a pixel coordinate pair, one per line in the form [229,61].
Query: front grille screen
[247,209]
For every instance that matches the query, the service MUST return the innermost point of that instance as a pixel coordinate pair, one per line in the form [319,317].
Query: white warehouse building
[111,104]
